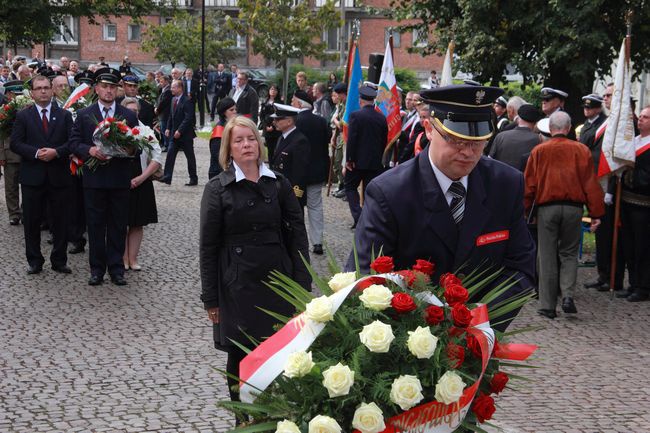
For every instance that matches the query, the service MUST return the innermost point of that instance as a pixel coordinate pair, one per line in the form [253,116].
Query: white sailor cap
[550,93]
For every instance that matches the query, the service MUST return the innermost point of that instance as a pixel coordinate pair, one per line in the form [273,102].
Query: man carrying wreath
[106,188]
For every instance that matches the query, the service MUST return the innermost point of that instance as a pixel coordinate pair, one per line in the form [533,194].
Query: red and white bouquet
[9,110]
[380,354]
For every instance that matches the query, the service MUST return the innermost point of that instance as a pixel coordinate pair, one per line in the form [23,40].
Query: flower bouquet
[382,353]
[9,110]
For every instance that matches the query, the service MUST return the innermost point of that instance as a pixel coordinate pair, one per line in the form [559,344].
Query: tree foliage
[180,39]
[27,22]
[561,43]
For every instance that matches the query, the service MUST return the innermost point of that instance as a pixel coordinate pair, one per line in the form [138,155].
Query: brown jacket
[562,171]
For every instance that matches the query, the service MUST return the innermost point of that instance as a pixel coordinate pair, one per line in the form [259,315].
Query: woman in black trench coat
[251,224]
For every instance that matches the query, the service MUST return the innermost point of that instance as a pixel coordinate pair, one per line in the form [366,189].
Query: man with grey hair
[559,181]
[322,106]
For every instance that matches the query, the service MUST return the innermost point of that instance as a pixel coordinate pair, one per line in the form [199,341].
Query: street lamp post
[202,83]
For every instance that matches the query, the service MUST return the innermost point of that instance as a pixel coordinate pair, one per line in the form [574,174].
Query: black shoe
[118,280]
[594,284]
[62,269]
[77,248]
[547,313]
[568,306]
[353,226]
[603,288]
[637,297]
[164,180]
[192,183]
[163,148]
[339,194]
[14,221]
[95,280]
[624,293]
[34,269]
[318,249]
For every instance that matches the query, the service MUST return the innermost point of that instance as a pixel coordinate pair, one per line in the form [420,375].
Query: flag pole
[619,180]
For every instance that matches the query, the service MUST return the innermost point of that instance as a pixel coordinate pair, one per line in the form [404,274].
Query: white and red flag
[387,101]
[81,91]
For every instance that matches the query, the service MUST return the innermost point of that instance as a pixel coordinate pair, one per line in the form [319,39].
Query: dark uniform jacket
[315,128]
[182,119]
[222,84]
[146,114]
[164,103]
[28,136]
[194,88]
[405,213]
[588,137]
[241,242]
[291,158]
[367,137]
[117,172]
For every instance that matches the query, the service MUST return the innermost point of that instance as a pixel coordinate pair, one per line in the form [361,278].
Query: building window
[134,32]
[331,38]
[337,4]
[420,38]
[240,42]
[68,32]
[110,32]
[221,3]
[396,37]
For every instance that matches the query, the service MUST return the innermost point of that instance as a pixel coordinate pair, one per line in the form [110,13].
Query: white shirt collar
[284,134]
[264,171]
[444,181]
[111,109]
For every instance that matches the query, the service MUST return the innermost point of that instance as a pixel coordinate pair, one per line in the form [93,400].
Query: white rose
[298,364]
[368,418]
[324,424]
[376,297]
[342,280]
[406,391]
[286,427]
[377,336]
[449,388]
[338,380]
[319,309]
[422,343]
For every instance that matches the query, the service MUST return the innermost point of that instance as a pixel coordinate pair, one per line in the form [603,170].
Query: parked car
[142,75]
[260,83]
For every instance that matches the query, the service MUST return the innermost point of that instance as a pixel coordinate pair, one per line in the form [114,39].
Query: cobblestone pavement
[76,358]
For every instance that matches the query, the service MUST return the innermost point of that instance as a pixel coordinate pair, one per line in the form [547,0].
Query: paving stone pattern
[139,358]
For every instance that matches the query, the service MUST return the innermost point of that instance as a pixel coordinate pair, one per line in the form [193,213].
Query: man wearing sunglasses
[450,205]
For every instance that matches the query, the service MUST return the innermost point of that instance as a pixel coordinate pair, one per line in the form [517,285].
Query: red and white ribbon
[81,91]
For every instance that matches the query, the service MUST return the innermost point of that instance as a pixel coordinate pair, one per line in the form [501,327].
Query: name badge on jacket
[490,238]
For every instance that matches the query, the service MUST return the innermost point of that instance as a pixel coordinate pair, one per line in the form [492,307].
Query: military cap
[550,93]
[303,96]
[530,113]
[592,101]
[131,79]
[108,75]
[340,88]
[471,82]
[544,127]
[19,58]
[46,71]
[501,101]
[14,86]
[463,110]
[282,111]
[367,93]
[85,77]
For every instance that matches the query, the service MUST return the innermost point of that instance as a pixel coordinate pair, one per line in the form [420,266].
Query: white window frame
[105,33]
[418,40]
[397,37]
[68,33]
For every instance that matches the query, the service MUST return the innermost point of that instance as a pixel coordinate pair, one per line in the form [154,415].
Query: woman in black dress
[251,224]
[270,134]
[226,110]
[142,200]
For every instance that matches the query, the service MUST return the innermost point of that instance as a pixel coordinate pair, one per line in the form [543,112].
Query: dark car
[260,83]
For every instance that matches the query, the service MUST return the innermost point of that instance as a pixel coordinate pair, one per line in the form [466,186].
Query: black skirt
[142,200]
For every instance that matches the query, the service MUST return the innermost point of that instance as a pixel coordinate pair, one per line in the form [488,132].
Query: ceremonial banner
[81,91]
[355,80]
[618,143]
[445,77]
[387,101]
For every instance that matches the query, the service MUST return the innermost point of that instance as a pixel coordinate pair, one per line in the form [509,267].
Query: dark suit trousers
[188,148]
[636,232]
[107,212]
[77,219]
[352,181]
[35,200]
[604,241]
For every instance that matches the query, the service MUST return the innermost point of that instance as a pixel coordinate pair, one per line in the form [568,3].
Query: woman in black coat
[251,224]
[270,134]
[226,110]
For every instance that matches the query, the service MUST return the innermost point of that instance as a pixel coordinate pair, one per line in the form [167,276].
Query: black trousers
[604,241]
[35,200]
[107,213]
[352,181]
[77,217]
[636,232]
[188,149]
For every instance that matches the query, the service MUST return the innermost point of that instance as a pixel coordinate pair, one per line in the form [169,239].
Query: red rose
[109,119]
[433,314]
[474,346]
[382,264]
[461,315]
[483,407]
[455,331]
[403,303]
[498,382]
[455,354]
[135,131]
[363,285]
[122,127]
[424,266]
[448,278]
[456,294]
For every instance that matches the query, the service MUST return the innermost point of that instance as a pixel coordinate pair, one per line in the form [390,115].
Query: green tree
[286,29]
[560,43]
[180,39]
[27,22]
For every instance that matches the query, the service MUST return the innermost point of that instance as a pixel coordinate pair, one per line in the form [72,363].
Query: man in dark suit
[106,189]
[163,106]
[592,106]
[367,137]
[315,128]
[180,130]
[130,86]
[222,86]
[40,136]
[291,156]
[190,85]
[449,204]
[248,103]
[510,146]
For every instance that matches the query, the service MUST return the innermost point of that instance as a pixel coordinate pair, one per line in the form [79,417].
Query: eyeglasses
[461,144]
[41,89]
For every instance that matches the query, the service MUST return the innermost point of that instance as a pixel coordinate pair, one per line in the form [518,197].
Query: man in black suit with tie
[40,135]
[248,103]
[222,86]
[106,189]
[367,137]
[180,131]
[130,85]
[190,85]
[163,106]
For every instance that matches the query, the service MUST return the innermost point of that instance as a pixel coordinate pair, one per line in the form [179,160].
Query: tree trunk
[285,80]
[560,78]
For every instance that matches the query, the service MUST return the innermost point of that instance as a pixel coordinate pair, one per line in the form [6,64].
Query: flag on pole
[445,78]
[81,91]
[387,101]
[618,143]
[355,80]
